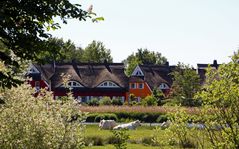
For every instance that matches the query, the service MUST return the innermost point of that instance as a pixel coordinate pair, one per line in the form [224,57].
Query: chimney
[167,63]
[215,62]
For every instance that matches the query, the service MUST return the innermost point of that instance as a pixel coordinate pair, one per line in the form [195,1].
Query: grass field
[135,139]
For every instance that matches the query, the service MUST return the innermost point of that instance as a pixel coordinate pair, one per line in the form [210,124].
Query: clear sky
[188,31]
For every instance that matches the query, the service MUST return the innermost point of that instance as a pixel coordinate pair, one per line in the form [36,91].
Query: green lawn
[135,137]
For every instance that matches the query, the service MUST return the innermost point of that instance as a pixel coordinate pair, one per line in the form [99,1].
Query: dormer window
[163,86]
[108,84]
[137,72]
[73,84]
[32,70]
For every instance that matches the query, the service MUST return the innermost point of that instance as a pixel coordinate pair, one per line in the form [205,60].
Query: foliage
[96,52]
[39,122]
[127,117]
[93,102]
[105,101]
[61,51]
[122,137]
[143,56]
[106,116]
[150,101]
[186,83]
[94,141]
[24,29]
[179,130]
[159,95]
[117,102]
[220,97]
[162,118]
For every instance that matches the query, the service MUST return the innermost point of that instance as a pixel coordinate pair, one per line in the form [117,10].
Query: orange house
[146,78]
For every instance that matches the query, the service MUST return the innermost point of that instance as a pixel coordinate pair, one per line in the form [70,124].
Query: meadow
[141,138]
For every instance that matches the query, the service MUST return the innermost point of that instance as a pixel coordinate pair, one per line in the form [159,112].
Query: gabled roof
[154,75]
[90,75]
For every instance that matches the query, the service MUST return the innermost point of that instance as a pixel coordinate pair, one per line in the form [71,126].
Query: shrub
[148,141]
[93,102]
[122,137]
[91,117]
[105,101]
[106,117]
[94,141]
[117,102]
[39,122]
[149,101]
[162,118]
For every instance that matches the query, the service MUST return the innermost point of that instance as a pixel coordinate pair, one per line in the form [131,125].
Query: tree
[24,25]
[143,56]
[186,83]
[220,96]
[61,51]
[96,52]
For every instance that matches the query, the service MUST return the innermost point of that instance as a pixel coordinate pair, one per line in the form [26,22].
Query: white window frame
[134,86]
[37,86]
[74,84]
[32,70]
[137,72]
[142,86]
[108,84]
[163,86]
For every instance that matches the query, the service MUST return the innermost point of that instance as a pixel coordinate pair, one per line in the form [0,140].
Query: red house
[86,80]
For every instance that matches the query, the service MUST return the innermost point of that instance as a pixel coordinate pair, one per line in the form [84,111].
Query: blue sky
[188,31]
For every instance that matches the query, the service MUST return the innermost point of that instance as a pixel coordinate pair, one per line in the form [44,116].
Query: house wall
[138,92]
[110,94]
[42,83]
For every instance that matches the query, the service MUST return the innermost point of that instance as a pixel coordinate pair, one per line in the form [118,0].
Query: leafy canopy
[96,52]
[143,56]
[62,51]
[24,25]
[186,83]
[220,97]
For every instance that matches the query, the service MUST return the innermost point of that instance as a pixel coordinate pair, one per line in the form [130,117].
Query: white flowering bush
[38,122]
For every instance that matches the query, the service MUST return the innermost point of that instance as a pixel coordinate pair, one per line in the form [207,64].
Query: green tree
[220,96]
[24,25]
[61,51]
[186,83]
[96,52]
[143,56]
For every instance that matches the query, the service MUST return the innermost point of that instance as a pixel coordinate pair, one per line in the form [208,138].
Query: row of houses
[96,80]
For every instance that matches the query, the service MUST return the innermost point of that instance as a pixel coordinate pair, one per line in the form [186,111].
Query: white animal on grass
[107,124]
[132,125]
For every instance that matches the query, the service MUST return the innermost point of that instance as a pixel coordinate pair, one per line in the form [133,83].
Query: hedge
[128,116]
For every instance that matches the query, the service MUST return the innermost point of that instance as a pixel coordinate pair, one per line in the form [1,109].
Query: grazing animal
[107,124]
[132,125]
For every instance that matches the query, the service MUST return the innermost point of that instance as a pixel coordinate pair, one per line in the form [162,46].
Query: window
[141,85]
[132,85]
[138,73]
[73,84]
[37,86]
[163,86]
[108,84]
